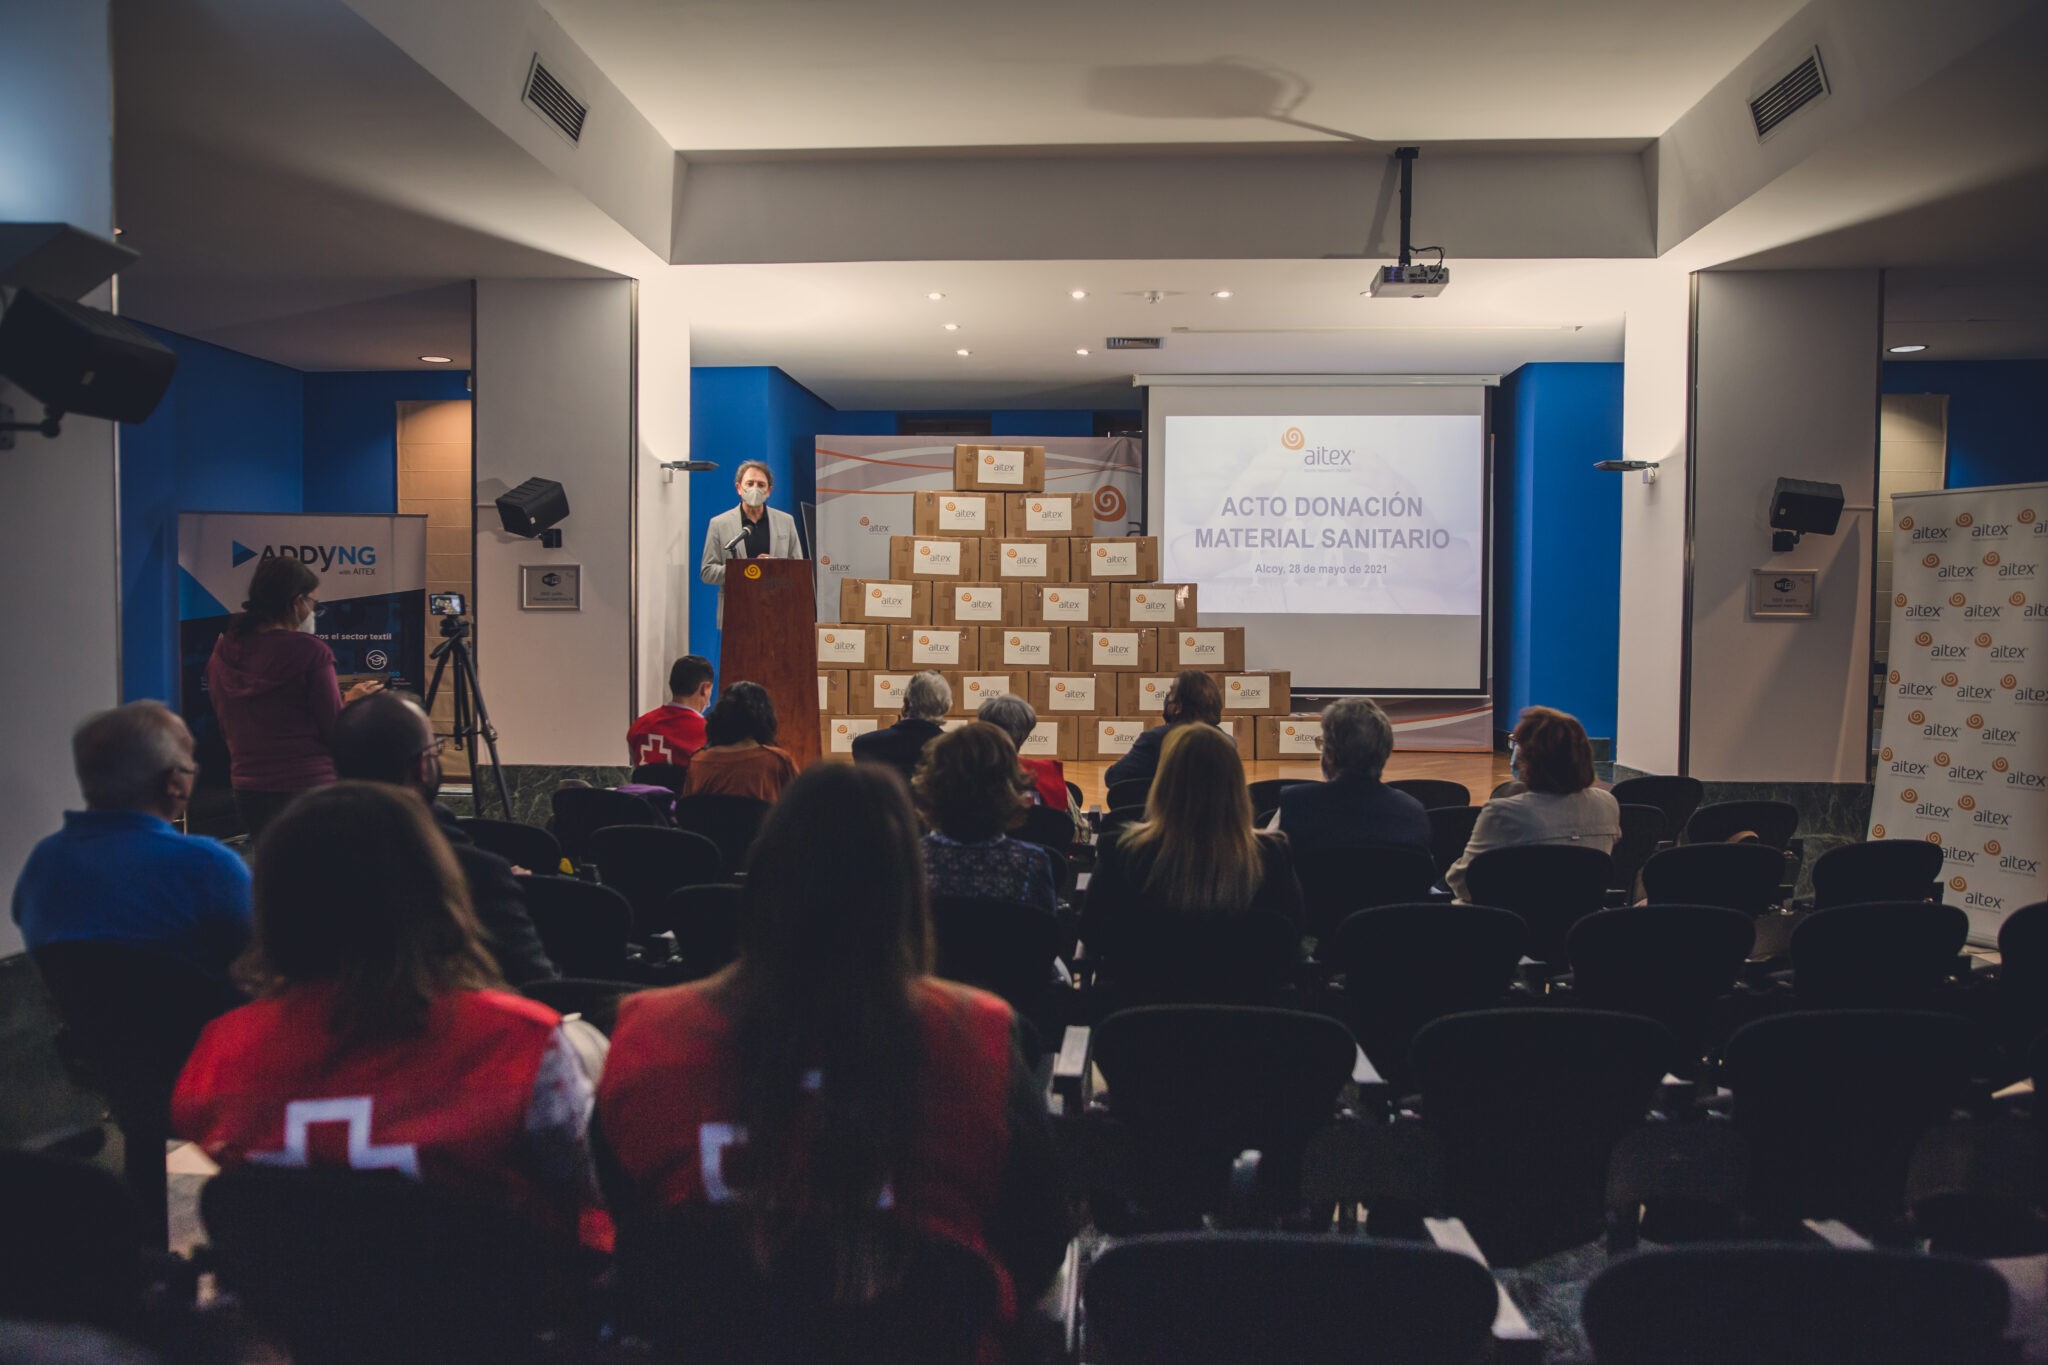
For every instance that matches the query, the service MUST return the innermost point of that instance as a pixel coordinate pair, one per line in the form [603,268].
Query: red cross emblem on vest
[654,749]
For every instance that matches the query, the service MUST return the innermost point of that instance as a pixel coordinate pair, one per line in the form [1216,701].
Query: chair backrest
[1048,828]
[1220,1298]
[1677,797]
[647,862]
[706,922]
[999,945]
[2023,976]
[1337,880]
[70,1251]
[1132,791]
[1074,795]
[1551,886]
[1265,793]
[731,822]
[1795,1305]
[1434,792]
[580,811]
[1190,958]
[1450,829]
[527,846]
[1642,829]
[1881,870]
[670,775]
[1406,965]
[1773,822]
[1741,877]
[584,927]
[1886,955]
[1116,817]
[1672,963]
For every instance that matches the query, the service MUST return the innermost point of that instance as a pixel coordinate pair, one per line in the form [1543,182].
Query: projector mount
[1409,280]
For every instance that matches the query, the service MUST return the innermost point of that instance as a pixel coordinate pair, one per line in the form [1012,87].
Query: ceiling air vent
[549,98]
[1130,343]
[1787,95]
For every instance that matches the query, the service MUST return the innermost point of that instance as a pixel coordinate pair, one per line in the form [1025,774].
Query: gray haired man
[927,698]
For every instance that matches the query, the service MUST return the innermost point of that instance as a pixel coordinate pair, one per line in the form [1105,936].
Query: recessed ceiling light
[1219,293]
[963,351]
[1907,349]
[1077,293]
[438,359]
[1080,350]
[935,296]
[952,326]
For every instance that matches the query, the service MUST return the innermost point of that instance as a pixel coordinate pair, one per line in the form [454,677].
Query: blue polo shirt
[123,876]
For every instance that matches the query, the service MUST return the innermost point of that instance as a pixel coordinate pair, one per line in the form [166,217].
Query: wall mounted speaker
[75,359]
[533,507]
[1806,507]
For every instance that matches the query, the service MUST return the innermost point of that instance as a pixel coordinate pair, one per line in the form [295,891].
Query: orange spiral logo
[1941,759]
[1038,507]
[1109,731]
[1016,639]
[1290,729]
[1976,721]
[1991,559]
[952,506]
[863,521]
[924,639]
[924,549]
[1109,503]
[1967,802]
[1059,687]
[1139,598]
[1237,686]
[829,637]
[2026,516]
[1955,599]
[841,727]
[1949,680]
[1909,796]
[1877,831]
[1102,643]
[1984,640]
[753,570]
[1293,440]
[1899,601]
[1965,519]
[876,593]
[1885,754]
[2018,599]
[1053,598]
[824,559]
[1993,847]
[988,459]
[1189,642]
[1894,675]
[1930,560]
[1916,718]
[1923,639]
[1010,553]
[1999,765]
[1934,837]
[2008,682]
[1905,523]
[1151,687]
[1958,884]
[1102,552]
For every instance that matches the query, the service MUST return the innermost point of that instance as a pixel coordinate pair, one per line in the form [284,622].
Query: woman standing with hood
[273,688]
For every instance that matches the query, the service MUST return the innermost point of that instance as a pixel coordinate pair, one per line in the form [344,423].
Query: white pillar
[662,532]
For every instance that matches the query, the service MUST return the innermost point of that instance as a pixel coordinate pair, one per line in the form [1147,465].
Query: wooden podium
[771,617]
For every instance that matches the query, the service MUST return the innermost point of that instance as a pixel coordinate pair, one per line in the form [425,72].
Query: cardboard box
[836,734]
[1111,559]
[977,604]
[1267,693]
[1025,647]
[1056,737]
[942,647]
[975,686]
[934,556]
[1063,604]
[889,602]
[1015,559]
[1214,649]
[1070,693]
[1241,730]
[999,468]
[832,691]
[1152,604]
[1132,648]
[879,692]
[957,514]
[853,646]
[1143,694]
[1108,738]
[1049,514]
[1294,738]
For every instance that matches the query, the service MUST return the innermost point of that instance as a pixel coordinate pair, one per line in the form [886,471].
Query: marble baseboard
[531,787]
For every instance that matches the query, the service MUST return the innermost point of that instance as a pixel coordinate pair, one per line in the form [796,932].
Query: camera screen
[445,603]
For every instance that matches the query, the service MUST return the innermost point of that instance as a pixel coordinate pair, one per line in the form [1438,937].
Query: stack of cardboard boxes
[1004,587]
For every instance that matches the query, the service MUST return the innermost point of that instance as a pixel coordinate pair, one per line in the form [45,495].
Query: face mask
[754,497]
[307,624]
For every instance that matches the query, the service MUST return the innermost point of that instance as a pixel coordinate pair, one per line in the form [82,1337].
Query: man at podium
[752,530]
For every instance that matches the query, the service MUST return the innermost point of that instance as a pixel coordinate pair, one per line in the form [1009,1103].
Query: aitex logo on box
[1151,605]
[844,732]
[964,514]
[1067,604]
[936,647]
[1043,741]
[1116,561]
[1072,694]
[1152,693]
[938,556]
[1049,514]
[978,604]
[889,689]
[1248,693]
[980,687]
[1301,737]
[1118,735]
[1023,561]
[1117,646]
[890,600]
[1202,647]
[1027,647]
[1002,466]
[842,646]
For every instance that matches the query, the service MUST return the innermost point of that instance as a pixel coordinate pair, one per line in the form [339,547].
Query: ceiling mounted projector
[1417,281]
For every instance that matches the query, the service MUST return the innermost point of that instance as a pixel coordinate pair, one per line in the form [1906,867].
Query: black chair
[731,822]
[1833,1101]
[1338,880]
[1890,955]
[670,775]
[1190,958]
[1551,886]
[1881,870]
[1074,798]
[1977,1189]
[1450,829]
[1795,1305]
[70,1252]
[131,1016]
[1672,963]
[587,929]
[706,923]
[1229,1298]
[1642,829]
[1407,965]
[1130,792]
[1115,819]
[582,811]
[999,945]
[1773,822]
[1195,1085]
[347,1266]
[597,1002]
[1528,1104]
[1741,877]
[2023,978]
[1048,828]
[1677,797]
[1434,792]
[527,846]
[1266,793]
[645,863]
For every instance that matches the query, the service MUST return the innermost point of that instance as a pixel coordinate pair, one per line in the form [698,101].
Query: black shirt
[756,542]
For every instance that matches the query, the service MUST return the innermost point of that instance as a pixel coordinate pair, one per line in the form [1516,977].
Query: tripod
[472,717]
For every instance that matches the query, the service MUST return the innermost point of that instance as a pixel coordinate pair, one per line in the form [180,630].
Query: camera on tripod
[472,720]
[450,607]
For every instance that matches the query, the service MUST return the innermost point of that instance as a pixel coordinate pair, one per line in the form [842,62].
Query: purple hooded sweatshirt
[276,697]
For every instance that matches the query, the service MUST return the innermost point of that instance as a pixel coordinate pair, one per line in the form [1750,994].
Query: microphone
[734,543]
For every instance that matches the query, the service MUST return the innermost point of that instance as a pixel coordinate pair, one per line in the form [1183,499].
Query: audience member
[271,681]
[1351,805]
[119,872]
[1549,753]
[379,1009]
[1013,715]
[673,731]
[927,697]
[389,738]
[825,1087]
[971,791]
[739,757]
[1193,696]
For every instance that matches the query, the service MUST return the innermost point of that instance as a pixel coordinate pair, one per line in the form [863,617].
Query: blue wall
[1557,543]
[351,447]
[1994,415]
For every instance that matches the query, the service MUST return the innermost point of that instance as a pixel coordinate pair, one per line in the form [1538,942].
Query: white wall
[1787,371]
[554,400]
[61,548]
[662,531]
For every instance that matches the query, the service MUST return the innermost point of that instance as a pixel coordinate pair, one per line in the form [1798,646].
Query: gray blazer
[783,543]
[1591,817]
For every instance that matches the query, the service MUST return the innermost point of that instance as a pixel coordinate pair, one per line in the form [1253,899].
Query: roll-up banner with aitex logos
[372,595]
[1964,756]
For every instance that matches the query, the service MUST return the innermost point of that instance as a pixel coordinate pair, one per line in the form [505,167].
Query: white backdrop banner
[865,483]
[1964,762]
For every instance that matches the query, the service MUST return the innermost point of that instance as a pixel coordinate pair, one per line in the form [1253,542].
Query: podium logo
[1016,639]
[876,594]
[1189,642]
[1150,687]
[988,459]
[1139,598]
[1293,440]
[1289,729]
[1964,519]
[753,571]
[1109,732]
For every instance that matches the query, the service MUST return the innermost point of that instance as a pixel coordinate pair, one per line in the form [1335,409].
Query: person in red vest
[827,1089]
[673,731]
[382,1037]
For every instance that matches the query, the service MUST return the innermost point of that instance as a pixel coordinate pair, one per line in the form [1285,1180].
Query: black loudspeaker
[75,359]
[1806,508]
[533,507]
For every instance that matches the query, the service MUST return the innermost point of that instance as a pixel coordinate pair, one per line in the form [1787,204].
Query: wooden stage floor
[1480,772]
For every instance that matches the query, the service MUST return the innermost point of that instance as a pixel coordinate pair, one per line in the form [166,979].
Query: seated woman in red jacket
[382,1037]
[825,1088]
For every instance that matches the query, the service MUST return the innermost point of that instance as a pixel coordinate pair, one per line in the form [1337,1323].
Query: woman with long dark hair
[740,756]
[825,1087]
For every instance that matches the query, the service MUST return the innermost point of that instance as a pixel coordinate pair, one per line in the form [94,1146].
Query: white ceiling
[1968,312]
[779,74]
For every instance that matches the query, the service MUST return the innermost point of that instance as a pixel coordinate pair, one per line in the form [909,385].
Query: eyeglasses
[434,750]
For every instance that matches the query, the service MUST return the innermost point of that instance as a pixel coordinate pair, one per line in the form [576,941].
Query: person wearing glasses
[119,872]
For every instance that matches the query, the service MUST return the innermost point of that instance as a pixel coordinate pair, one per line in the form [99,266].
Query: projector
[1409,281]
